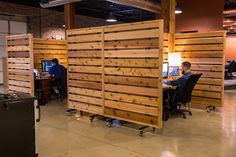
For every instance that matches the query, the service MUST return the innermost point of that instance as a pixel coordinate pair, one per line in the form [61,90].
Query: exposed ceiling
[100,9]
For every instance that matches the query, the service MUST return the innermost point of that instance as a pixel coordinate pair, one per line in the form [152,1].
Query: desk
[167,87]
[43,90]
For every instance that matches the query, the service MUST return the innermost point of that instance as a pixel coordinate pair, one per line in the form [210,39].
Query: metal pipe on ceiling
[54,3]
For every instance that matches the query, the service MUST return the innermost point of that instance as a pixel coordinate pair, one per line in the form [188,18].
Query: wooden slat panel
[199,35]
[85,99]
[140,34]
[132,90]
[132,107]
[135,81]
[85,84]
[139,53]
[88,77]
[85,54]
[132,117]
[84,31]
[146,63]
[85,46]
[85,107]
[18,60]
[18,48]
[199,41]
[19,89]
[49,41]
[19,66]
[85,61]
[131,44]
[214,47]
[85,38]
[132,26]
[85,69]
[50,47]
[132,72]
[82,91]
[144,100]
[19,83]
[202,54]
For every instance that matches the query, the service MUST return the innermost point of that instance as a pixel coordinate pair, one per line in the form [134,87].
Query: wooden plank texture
[206,52]
[20,63]
[120,68]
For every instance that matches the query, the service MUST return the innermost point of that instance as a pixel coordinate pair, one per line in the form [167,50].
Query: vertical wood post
[69,13]
[168,14]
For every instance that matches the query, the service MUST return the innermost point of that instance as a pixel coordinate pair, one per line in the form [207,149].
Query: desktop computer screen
[165,68]
[174,71]
[46,65]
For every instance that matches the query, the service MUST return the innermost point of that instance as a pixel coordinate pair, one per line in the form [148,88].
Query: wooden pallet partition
[116,71]
[20,63]
[206,52]
[47,49]
[85,70]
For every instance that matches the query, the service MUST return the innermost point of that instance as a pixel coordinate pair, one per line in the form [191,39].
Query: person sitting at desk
[179,84]
[57,73]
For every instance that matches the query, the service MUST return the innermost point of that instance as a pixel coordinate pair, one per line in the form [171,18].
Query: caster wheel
[141,133]
[153,130]
[184,117]
[109,124]
[190,113]
[208,110]
[91,119]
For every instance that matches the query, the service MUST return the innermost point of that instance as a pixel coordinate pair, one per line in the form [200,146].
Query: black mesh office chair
[229,70]
[183,98]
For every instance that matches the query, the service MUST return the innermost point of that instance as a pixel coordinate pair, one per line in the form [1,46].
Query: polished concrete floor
[202,135]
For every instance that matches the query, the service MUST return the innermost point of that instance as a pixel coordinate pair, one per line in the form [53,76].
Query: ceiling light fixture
[178,9]
[111,18]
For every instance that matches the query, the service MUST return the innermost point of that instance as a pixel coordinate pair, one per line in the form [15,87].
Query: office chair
[183,98]
[229,70]
[61,85]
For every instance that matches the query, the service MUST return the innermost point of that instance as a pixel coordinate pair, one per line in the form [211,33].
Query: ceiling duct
[54,3]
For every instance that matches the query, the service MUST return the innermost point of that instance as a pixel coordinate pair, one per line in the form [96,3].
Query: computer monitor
[174,71]
[46,65]
[165,68]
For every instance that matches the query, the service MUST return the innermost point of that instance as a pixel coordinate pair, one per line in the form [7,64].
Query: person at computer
[57,73]
[179,84]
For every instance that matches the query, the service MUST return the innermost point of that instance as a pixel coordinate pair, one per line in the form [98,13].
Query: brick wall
[47,23]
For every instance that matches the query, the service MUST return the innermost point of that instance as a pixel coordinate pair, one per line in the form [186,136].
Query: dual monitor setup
[173,71]
[172,66]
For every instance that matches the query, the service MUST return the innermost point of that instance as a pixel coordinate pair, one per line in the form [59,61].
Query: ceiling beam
[141,4]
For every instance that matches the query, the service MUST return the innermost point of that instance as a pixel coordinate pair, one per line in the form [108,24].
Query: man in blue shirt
[57,71]
[173,95]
